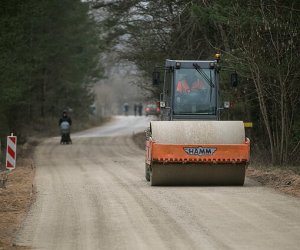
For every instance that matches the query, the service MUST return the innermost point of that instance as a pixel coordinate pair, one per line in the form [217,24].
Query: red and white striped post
[11,152]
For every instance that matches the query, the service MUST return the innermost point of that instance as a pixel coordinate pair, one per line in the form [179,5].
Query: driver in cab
[183,87]
[190,94]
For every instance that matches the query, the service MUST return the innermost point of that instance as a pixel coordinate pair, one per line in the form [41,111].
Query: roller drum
[197,133]
[196,174]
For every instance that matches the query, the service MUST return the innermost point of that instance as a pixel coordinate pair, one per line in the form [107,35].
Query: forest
[258,39]
[49,58]
[50,54]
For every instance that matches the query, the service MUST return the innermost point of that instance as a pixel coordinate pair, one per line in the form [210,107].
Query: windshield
[194,91]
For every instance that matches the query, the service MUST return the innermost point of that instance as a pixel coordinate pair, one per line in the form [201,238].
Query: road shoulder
[16,196]
[283,180]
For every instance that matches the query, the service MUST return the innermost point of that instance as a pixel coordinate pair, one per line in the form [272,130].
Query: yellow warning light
[218,56]
[248,124]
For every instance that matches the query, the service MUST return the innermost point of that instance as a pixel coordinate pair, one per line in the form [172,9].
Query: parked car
[152,109]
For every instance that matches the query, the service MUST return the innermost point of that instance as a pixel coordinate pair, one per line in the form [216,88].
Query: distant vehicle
[152,109]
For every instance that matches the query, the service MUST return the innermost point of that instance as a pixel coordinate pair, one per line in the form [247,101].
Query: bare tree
[267,52]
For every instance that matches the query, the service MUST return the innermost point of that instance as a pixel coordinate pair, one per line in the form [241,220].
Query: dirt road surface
[92,195]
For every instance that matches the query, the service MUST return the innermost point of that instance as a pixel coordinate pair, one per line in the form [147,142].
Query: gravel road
[92,195]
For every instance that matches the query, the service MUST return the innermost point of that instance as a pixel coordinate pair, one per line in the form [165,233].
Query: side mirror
[162,104]
[234,80]
[156,78]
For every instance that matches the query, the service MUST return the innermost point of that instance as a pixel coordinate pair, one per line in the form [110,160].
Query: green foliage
[49,54]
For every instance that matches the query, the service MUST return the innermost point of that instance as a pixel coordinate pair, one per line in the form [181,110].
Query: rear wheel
[147,172]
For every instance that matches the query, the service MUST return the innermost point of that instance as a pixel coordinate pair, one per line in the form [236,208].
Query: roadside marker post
[11,152]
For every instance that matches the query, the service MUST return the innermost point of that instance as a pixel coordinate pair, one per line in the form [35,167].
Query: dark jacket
[65,118]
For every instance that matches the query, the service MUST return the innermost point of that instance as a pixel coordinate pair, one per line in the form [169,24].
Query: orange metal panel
[205,153]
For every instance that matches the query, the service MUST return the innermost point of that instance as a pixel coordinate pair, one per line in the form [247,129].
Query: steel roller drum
[198,132]
[193,174]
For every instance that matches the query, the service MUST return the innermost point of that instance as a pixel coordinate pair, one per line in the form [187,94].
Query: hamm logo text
[200,151]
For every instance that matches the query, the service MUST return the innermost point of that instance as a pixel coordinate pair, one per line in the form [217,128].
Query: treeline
[258,39]
[48,61]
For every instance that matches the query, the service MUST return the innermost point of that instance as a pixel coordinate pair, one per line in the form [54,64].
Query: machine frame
[192,146]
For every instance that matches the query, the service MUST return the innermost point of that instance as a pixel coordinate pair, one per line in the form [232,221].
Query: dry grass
[15,200]
[285,180]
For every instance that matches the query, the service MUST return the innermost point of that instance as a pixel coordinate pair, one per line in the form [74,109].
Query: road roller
[189,144]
